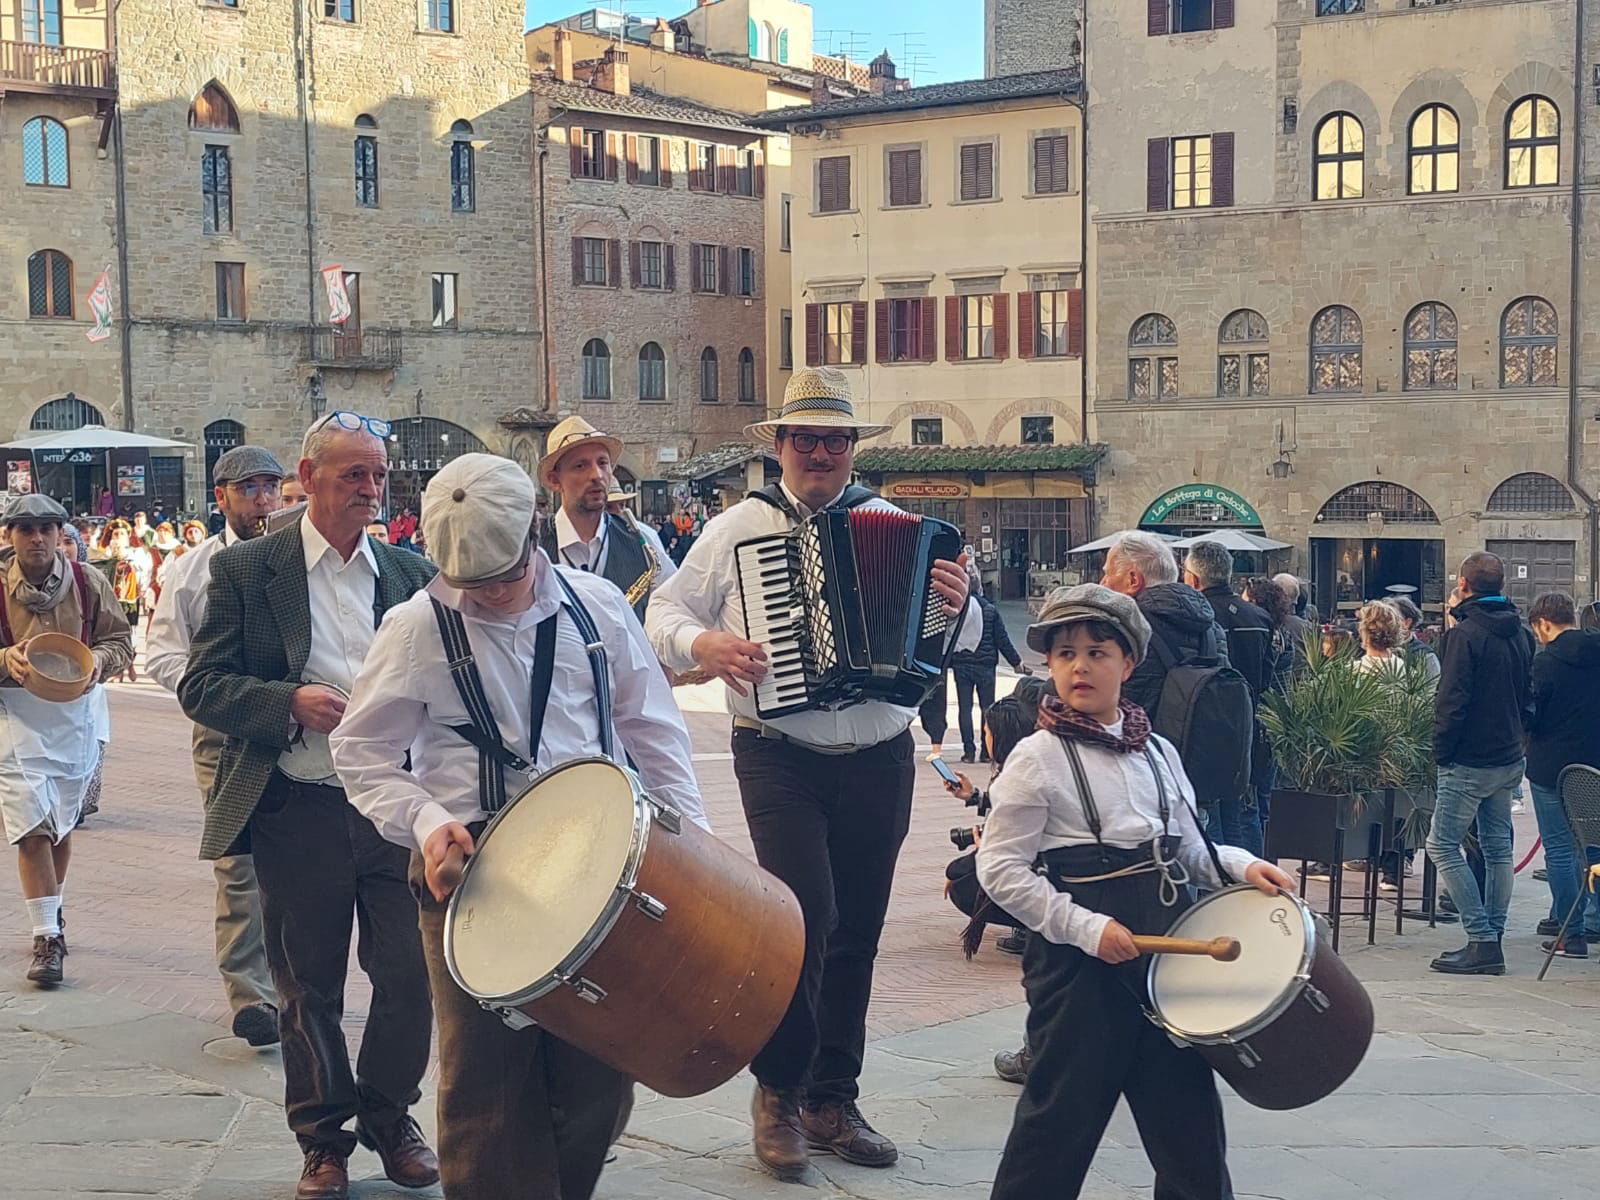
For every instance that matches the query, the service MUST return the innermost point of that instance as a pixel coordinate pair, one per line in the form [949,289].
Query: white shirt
[704,595]
[404,699]
[591,555]
[181,609]
[1037,808]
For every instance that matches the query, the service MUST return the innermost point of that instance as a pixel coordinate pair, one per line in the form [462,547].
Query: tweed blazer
[247,658]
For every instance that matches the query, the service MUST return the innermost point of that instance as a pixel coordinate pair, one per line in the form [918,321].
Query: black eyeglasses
[834,443]
[273,487]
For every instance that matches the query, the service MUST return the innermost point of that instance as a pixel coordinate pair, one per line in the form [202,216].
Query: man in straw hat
[578,466]
[521,1113]
[50,749]
[247,484]
[827,794]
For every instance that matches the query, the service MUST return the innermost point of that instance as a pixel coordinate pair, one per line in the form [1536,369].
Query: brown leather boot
[840,1128]
[324,1177]
[779,1144]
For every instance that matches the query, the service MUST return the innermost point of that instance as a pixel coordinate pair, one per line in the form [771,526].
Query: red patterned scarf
[1058,717]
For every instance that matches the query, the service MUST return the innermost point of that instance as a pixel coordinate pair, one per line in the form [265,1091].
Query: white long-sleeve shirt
[1037,808]
[181,609]
[404,699]
[591,555]
[704,595]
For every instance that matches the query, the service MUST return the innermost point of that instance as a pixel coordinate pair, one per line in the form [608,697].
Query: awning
[1232,540]
[1081,457]
[1111,539]
[95,437]
[716,461]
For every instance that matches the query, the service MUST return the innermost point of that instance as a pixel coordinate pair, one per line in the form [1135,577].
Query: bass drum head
[544,876]
[1198,996]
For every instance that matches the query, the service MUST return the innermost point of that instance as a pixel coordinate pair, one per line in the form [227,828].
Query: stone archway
[418,447]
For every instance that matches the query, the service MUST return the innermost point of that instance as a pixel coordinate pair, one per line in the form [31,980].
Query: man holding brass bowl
[63,632]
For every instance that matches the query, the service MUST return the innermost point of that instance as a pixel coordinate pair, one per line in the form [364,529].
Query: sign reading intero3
[1200,493]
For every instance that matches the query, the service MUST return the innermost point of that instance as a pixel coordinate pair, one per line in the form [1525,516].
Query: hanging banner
[99,302]
[338,298]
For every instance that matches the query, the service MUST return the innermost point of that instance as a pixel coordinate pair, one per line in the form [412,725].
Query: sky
[946,34]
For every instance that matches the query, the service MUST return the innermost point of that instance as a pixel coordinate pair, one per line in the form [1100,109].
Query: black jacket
[1181,615]
[1565,727]
[1484,693]
[994,642]
[1249,637]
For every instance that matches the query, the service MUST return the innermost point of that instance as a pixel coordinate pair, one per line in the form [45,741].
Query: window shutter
[1050,163]
[1075,323]
[724,280]
[665,152]
[858,331]
[760,173]
[1041,164]
[669,268]
[1157,155]
[813,334]
[575,145]
[930,328]
[952,328]
[842,181]
[969,172]
[897,177]
[1002,325]
[695,282]
[614,252]
[1222,170]
[1059,181]
[633,264]
[1025,323]
[881,323]
[613,152]
[633,158]
[729,183]
[986,170]
[827,185]
[577,260]
[1157,17]
[1222,14]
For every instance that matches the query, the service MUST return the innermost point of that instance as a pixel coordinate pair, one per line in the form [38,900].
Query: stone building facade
[1030,35]
[1332,293]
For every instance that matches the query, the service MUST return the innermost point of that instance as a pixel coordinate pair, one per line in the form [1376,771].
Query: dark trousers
[319,863]
[829,826]
[968,680]
[932,712]
[521,1113]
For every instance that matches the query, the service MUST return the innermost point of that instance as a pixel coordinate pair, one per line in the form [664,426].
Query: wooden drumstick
[453,868]
[1223,949]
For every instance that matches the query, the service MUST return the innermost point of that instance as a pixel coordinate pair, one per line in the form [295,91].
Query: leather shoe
[324,1177]
[1475,958]
[407,1160]
[780,1146]
[1548,928]
[839,1127]
[1013,1065]
[257,1024]
[47,955]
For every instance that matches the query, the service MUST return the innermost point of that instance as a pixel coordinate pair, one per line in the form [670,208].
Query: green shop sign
[1200,493]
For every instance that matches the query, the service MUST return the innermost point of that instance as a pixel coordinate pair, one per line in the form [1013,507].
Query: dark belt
[777,735]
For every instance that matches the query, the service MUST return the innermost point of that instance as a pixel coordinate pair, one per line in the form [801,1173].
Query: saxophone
[640,587]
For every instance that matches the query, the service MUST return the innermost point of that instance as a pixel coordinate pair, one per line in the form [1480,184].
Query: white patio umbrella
[95,437]
[1111,539]
[1232,540]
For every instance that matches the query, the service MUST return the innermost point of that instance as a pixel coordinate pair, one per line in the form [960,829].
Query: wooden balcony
[364,349]
[56,70]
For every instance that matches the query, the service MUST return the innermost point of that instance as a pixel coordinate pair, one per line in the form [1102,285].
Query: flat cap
[1091,602]
[34,509]
[477,514]
[244,461]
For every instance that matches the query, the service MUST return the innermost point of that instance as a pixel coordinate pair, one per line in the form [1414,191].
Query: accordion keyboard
[773,617]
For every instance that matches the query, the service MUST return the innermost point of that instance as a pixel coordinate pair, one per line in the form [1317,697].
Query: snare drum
[625,930]
[1286,1023]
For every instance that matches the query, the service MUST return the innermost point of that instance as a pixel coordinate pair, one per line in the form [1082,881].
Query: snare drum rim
[643,814]
[1291,991]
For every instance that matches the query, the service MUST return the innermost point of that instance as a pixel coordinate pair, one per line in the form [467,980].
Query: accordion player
[846,609]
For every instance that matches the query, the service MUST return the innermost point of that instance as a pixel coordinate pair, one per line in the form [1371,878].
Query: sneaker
[1387,884]
[46,969]
[1012,1065]
[1548,928]
[1541,874]
[1571,948]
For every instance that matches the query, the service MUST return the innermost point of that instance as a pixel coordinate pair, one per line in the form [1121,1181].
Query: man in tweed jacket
[301,605]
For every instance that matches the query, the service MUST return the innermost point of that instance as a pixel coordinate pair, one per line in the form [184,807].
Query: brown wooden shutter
[613,152]
[952,328]
[858,331]
[880,331]
[1050,163]
[1041,164]
[986,170]
[1075,323]
[669,268]
[1002,325]
[1157,17]
[633,158]
[1025,325]
[842,181]
[614,253]
[827,186]
[633,264]
[930,328]
[665,159]
[724,276]
[575,147]
[813,335]
[1222,170]
[760,172]
[695,282]
[897,177]
[729,183]
[1158,154]
[1222,14]
[577,260]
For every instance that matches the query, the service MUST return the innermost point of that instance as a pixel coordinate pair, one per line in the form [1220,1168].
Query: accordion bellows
[846,610]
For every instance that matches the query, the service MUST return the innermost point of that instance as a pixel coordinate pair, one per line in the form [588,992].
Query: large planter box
[1309,825]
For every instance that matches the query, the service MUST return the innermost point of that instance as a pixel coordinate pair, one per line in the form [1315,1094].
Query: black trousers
[319,863]
[969,680]
[932,712]
[830,826]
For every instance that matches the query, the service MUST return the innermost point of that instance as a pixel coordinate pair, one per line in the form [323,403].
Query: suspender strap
[81,584]
[1091,812]
[596,650]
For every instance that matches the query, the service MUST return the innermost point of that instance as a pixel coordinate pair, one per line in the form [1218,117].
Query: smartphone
[945,773]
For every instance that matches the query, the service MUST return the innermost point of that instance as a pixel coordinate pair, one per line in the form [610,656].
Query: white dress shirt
[704,595]
[181,609]
[405,700]
[1037,808]
[591,555]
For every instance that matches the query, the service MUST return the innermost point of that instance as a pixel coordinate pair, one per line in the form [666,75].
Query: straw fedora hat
[616,495]
[569,435]
[817,396]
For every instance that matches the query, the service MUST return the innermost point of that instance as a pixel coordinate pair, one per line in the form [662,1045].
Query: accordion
[846,610]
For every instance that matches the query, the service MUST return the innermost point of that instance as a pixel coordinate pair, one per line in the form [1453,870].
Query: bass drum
[625,930]
[1285,1023]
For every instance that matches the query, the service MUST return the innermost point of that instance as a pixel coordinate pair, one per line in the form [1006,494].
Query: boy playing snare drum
[1102,806]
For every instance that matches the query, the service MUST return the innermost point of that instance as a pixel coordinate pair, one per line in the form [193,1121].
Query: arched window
[50,285]
[1338,158]
[1533,143]
[213,110]
[63,414]
[709,391]
[747,376]
[1435,151]
[596,370]
[1153,358]
[1395,504]
[366,162]
[1242,363]
[221,436]
[755,40]
[1528,344]
[44,153]
[1531,492]
[462,168]
[1430,348]
[765,38]
[783,46]
[1336,350]
[652,372]
[419,446]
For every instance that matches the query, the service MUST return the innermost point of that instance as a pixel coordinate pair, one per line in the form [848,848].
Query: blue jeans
[1561,860]
[1483,793]
[1238,823]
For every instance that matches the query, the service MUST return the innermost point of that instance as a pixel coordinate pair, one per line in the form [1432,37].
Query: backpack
[1205,711]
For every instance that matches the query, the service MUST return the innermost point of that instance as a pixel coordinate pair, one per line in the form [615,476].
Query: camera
[964,837]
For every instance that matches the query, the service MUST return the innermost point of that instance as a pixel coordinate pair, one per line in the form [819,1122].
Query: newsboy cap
[35,509]
[244,461]
[1091,602]
[477,517]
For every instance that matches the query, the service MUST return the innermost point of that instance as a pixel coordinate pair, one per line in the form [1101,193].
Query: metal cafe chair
[1579,789]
